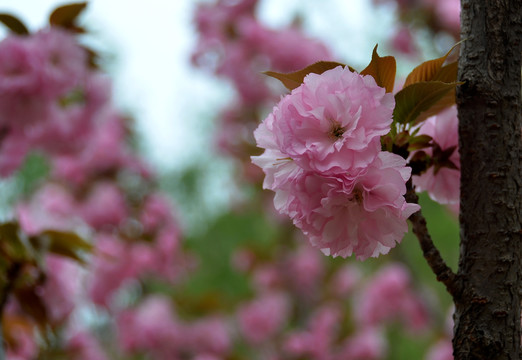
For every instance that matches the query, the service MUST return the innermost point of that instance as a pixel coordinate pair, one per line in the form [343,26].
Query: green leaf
[295,79]
[447,74]
[11,245]
[14,24]
[420,99]
[65,16]
[63,243]
[382,69]
[419,142]
[429,70]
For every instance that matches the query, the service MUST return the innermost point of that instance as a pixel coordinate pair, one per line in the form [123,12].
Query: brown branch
[432,255]
[12,275]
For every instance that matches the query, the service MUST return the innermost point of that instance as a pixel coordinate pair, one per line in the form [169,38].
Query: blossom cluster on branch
[326,158]
[335,153]
[323,159]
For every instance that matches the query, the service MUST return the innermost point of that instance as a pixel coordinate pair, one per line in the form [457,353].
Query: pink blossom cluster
[388,297]
[236,46]
[154,329]
[55,103]
[442,179]
[317,321]
[40,75]
[436,16]
[322,158]
[240,47]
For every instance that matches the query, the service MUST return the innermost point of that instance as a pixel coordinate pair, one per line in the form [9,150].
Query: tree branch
[432,255]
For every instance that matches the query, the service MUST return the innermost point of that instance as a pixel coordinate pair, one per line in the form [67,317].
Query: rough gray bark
[487,317]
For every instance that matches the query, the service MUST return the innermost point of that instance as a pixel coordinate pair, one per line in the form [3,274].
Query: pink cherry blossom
[388,297]
[266,277]
[152,327]
[209,335]
[316,340]
[62,287]
[64,61]
[369,344]
[51,207]
[110,268]
[168,261]
[104,151]
[14,146]
[403,42]
[104,206]
[21,73]
[263,317]
[442,184]
[448,13]
[365,216]
[331,124]
[84,346]
[305,270]
[345,280]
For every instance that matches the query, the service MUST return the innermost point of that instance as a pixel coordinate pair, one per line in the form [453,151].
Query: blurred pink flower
[387,297]
[442,184]
[84,346]
[151,327]
[442,350]
[156,212]
[305,270]
[104,150]
[21,74]
[403,42]
[316,341]
[266,277]
[104,206]
[14,146]
[263,317]
[110,267]
[448,13]
[345,280]
[209,335]
[64,61]
[368,344]
[51,207]
[62,287]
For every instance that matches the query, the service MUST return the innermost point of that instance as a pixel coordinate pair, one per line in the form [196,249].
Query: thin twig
[12,275]
[432,255]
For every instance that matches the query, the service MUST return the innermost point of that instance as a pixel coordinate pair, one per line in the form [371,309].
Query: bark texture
[487,316]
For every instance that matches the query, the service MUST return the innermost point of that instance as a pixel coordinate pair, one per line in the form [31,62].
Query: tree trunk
[487,314]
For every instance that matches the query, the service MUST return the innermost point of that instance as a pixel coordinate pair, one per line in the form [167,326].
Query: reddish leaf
[12,247]
[382,69]
[420,98]
[295,79]
[429,70]
[63,243]
[447,73]
[32,305]
[14,24]
[65,16]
